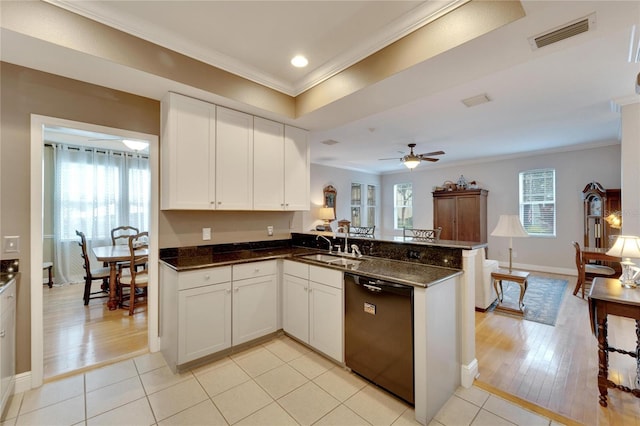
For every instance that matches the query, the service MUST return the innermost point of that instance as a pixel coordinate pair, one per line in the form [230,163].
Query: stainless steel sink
[331,259]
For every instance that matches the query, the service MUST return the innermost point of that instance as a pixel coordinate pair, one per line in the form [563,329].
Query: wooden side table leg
[603,359]
[523,290]
[50,276]
[495,287]
[637,384]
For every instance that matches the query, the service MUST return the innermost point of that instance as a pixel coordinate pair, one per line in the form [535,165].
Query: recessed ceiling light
[299,61]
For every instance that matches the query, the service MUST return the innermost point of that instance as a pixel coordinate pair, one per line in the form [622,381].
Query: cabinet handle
[228,291]
[219,202]
[2,333]
[207,277]
[282,205]
[237,289]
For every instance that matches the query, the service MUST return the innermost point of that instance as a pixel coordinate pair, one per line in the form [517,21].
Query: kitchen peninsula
[227,279]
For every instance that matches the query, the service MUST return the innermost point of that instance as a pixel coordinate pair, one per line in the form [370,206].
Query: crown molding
[409,22]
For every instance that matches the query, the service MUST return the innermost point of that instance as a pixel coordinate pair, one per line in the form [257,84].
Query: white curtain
[95,191]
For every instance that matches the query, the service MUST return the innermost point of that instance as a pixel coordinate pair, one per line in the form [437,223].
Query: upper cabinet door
[234,160]
[188,153]
[296,169]
[268,165]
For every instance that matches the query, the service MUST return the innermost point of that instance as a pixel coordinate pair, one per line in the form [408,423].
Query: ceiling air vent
[562,33]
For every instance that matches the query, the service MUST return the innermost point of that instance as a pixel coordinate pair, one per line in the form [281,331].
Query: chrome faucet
[355,251]
[345,231]
[326,239]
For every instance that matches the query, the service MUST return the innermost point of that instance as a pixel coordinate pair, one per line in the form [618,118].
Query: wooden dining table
[112,255]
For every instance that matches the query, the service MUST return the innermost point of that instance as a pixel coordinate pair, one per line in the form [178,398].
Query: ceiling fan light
[135,145]
[411,163]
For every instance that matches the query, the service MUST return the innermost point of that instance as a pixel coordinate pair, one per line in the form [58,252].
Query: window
[356,204]
[402,205]
[361,214]
[99,190]
[371,205]
[538,202]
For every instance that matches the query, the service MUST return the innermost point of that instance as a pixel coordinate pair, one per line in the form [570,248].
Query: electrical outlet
[270,231]
[11,244]
[206,234]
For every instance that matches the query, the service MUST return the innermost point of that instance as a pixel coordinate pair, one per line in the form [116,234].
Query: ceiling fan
[412,160]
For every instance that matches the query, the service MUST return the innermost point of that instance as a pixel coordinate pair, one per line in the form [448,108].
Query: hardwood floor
[79,337]
[556,367]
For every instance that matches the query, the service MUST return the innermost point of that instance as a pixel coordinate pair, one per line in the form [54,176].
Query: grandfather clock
[599,205]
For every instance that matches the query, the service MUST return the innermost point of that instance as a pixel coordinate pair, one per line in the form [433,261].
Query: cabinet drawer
[327,276]
[254,269]
[202,277]
[297,269]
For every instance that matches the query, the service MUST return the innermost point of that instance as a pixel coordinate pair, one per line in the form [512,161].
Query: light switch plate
[270,230]
[11,244]
[206,234]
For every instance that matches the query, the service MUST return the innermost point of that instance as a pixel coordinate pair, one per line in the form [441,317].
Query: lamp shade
[327,213]
[509,226]
[626,246]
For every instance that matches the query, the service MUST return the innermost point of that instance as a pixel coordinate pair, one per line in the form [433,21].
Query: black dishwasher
[379,333]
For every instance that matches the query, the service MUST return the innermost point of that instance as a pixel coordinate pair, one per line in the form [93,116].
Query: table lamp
[626,247]
[509,226]
[327,214]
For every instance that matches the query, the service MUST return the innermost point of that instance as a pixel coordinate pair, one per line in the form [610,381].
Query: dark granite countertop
[409,273]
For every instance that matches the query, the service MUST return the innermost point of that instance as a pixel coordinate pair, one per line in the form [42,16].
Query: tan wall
[25,92]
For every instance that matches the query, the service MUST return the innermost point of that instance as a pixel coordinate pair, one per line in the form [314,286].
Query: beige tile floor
[277,383]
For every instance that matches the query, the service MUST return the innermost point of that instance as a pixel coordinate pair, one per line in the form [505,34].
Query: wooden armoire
[461,214]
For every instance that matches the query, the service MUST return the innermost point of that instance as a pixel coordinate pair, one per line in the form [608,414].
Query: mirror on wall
[330,194]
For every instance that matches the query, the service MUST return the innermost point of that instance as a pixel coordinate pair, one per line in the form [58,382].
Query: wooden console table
[519,277]
[608,297]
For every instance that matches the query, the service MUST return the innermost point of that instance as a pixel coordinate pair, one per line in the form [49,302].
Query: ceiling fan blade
[433,160]
[395,158]
[428,154]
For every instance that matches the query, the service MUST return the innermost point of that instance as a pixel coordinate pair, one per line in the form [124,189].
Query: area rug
[542,300]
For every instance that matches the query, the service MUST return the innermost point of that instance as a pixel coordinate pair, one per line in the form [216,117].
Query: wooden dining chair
[120,235]
[591,271]
[92,274]
[138,279]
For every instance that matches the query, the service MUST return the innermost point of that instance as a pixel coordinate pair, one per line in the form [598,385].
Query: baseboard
[468,373]
[23,382]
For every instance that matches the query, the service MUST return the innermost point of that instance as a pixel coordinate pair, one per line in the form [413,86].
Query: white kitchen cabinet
[295,304]
[296,169]
[281,167]
[234,160]
[195,312]
[268,168]
[7,342]
[313,307]
[204,321]
[255,295]
[188,153]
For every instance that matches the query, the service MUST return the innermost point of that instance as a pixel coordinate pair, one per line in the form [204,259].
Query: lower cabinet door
[204,321]
[255,308]
[295,307]
[325,320]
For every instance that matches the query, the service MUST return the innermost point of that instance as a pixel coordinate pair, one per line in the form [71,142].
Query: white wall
[574,170]
[341,179]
